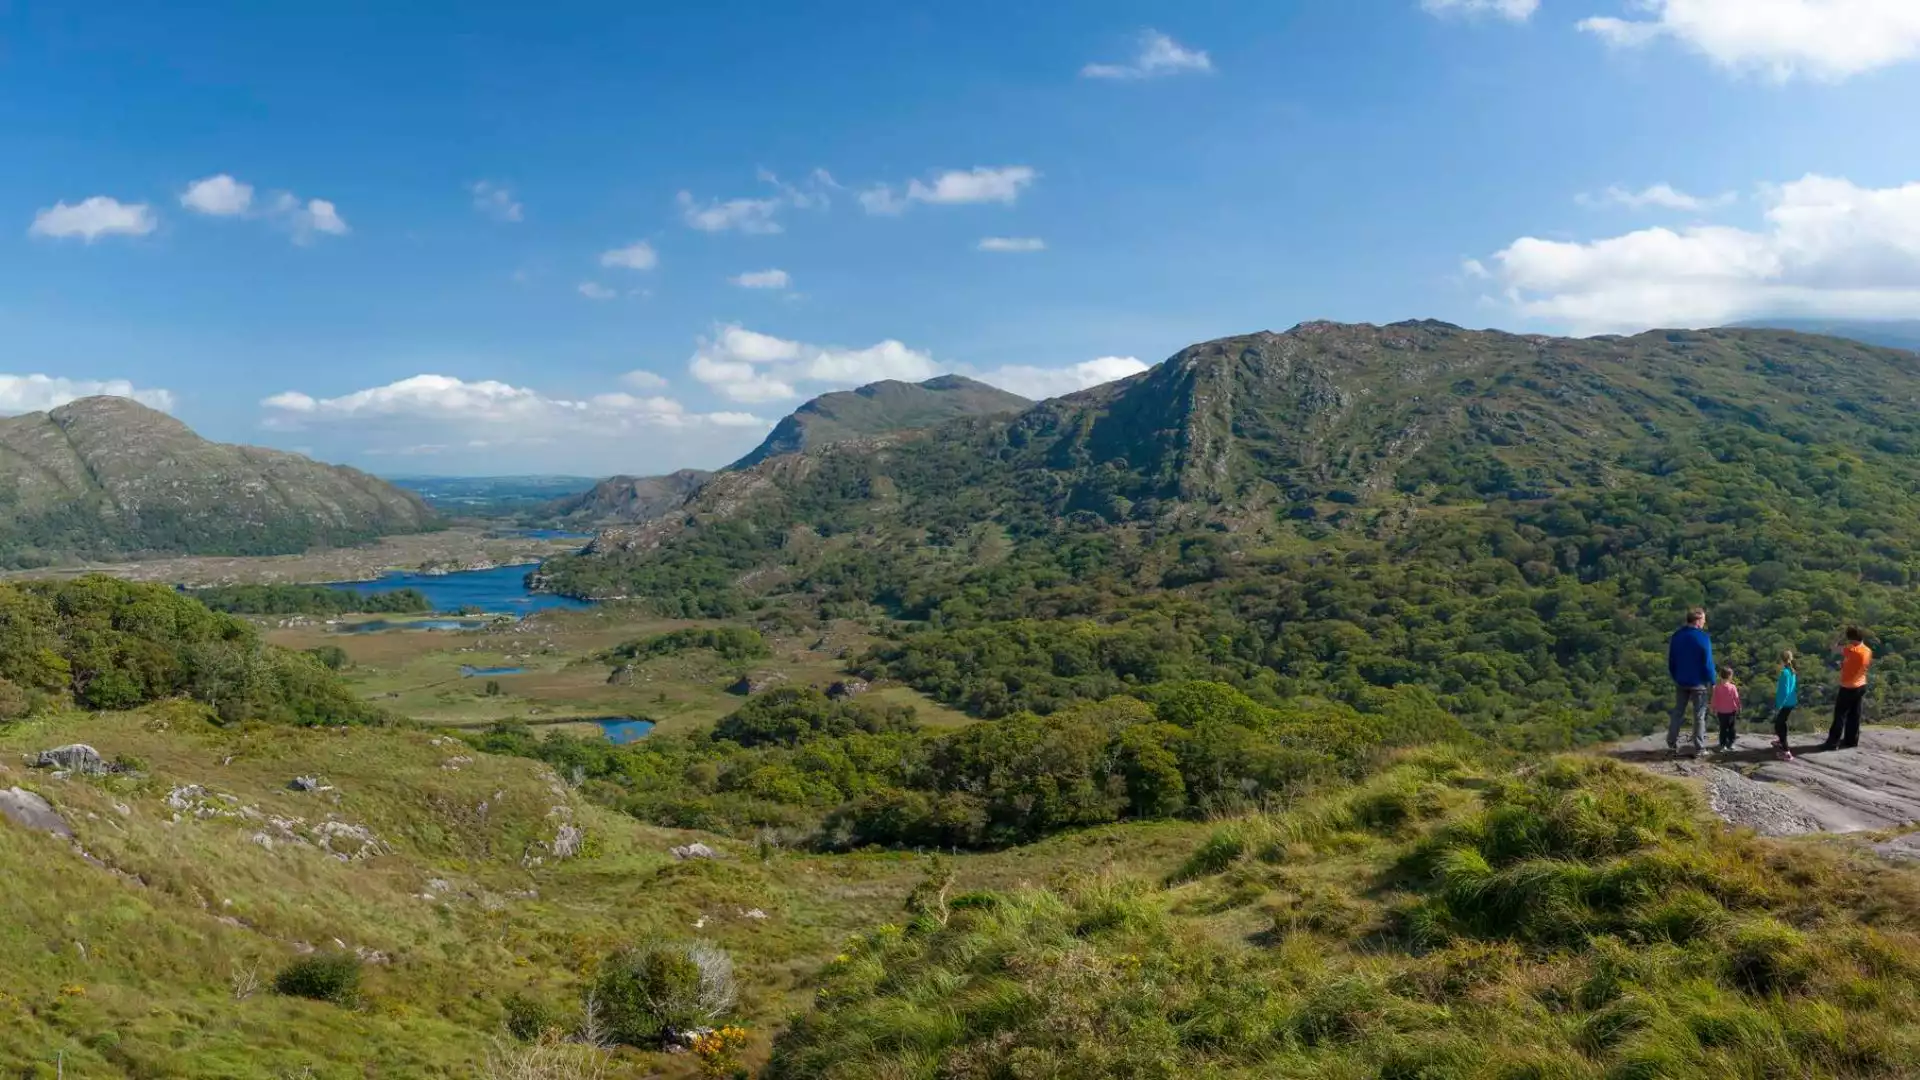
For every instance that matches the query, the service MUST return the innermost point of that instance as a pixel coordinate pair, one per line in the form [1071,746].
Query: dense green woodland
[1513,524]
[309,600]
[104,643]
[845,774]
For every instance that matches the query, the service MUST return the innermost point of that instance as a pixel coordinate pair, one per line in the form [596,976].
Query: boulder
[695,850]
[30,811]
[567,840]
[847,688]
[73,757]
[621,676]
[747,685]
[305,783]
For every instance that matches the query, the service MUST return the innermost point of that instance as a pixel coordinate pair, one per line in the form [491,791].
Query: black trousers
[1845,731]
[1780,724]
[1729,729]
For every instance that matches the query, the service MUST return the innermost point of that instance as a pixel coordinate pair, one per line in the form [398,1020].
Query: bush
[14,702]
[331,657]
[331,976]
[529,1019]
[650,992]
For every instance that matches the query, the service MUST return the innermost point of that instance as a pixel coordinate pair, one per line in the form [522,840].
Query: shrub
[14,702]
[331,657]
[650,992]
[330,976]
[529,1018]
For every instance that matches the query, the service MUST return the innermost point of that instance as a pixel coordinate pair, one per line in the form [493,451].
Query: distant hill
[628,498]
[1890,333]
[881,408]
[107,477]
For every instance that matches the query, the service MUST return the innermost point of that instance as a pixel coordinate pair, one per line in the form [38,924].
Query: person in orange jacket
[1855,658]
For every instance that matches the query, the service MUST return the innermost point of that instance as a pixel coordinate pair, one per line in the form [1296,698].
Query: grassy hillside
[1577,920]
[107,477]
[1512,522]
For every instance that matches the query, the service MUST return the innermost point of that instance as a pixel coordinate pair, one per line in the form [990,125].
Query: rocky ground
[1871,789]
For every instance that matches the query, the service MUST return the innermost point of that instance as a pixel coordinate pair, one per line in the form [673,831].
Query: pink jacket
[1726,698]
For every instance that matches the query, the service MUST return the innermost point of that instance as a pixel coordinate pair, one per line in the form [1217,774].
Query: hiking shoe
[1785,754]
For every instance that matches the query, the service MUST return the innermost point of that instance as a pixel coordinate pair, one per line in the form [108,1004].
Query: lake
[374,626]
[501,590]
[623,729]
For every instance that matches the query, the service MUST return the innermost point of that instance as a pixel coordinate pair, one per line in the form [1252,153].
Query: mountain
[1890,333]
[107,477]
[628,498]
[880,408]
[1510,522]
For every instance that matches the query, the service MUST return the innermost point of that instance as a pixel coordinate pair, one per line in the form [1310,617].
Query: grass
[159,959]
[1581,920]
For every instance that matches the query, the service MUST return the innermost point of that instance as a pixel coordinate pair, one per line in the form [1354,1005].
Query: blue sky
[452,238]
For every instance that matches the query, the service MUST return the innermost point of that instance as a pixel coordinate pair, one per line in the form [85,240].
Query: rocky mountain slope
[628,498]
[880,408]
[105,477]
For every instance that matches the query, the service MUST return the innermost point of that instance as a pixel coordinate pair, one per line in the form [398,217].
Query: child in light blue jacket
[1786,695]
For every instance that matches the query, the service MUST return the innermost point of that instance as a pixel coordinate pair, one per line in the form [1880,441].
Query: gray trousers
[1688,699]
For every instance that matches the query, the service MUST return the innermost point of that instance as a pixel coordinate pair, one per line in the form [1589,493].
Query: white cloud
[1823,39]
[1159,55]
[743,365]
[495,201]
[593,290]
[1661,196]
[38,393]
[635,256]
[1827,247]
[1012,243]
[307,218]
[752,216]
[980,184]
[218,196]
[1040,383]
[93,218]
[1516,10]
[641,379]
[762,279]
[444,404]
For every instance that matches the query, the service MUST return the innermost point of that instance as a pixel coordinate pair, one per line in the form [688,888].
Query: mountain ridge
[107,477]
[878,408]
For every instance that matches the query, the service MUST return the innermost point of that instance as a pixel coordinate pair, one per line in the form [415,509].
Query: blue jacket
[1690,657]
[1786,692]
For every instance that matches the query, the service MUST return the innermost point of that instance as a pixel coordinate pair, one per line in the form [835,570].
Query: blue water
[552,534]
[624,729]
[468,671]
[501,590]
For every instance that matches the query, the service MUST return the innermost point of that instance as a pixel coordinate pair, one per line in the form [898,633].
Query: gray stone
[1874,786]
[695,850]
[848,688]
[305,783]
[30,811]
[73,757]
[567,840]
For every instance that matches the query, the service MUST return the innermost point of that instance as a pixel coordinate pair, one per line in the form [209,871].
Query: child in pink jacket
[1726,706]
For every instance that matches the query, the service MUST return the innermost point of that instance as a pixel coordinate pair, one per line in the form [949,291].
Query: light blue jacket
[1786,692]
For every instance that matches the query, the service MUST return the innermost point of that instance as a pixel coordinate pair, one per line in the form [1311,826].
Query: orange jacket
[1854,661]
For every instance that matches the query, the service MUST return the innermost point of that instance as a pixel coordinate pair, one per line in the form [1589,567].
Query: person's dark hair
[1854,633]
[1726,673]
[1696,616]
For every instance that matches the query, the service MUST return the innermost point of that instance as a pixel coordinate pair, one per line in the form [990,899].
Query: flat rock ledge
[1873,787]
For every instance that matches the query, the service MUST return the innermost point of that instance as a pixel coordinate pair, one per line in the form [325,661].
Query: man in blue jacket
[1690,662]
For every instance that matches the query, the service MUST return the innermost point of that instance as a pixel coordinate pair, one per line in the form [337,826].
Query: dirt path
[1874,787]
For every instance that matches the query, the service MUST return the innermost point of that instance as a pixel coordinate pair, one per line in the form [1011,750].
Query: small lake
[499,591]
[552,534]
[468,671]
[623,729]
